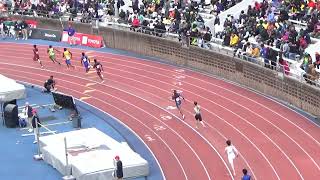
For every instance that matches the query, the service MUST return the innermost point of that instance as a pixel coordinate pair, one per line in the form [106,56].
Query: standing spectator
[232,153]
[71,34]
[24,30]
[28,113]
[17,29]
[197,115]
[284,66]
[264,51]
[2,33]
[118,172]
[35,121]
[245,175]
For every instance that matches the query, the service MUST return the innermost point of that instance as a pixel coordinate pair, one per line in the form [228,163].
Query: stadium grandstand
[281,35]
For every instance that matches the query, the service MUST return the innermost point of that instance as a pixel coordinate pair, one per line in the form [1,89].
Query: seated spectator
[248,49]
[256,52]
[135,22]
[316,30]
[311,75]
[285,49]
[318,60]
[234,40]
[306,61]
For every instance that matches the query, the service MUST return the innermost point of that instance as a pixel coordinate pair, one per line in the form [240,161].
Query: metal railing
[302,77]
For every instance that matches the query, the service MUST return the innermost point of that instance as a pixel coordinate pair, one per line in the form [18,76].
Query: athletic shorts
[36,57]
[52,57]
[198,117]
[86,65]
[178,104]
[68,61]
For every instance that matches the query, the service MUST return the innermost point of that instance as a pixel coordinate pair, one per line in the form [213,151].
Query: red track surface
[274,142]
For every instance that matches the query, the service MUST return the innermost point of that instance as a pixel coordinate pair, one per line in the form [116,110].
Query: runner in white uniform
[197,114]
[232,153]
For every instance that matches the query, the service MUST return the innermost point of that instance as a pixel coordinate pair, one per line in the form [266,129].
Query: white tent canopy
[10,89]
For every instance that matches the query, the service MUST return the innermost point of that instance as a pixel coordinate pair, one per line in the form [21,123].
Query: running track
[274,141]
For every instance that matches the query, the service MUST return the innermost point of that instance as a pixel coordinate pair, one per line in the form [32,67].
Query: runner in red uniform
[98,66]
[36,56]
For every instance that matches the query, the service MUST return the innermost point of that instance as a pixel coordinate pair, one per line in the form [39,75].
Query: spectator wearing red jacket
[311,4]
[135,22]
[284,66]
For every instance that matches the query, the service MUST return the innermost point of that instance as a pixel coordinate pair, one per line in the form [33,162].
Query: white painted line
[41,133]
[171,107]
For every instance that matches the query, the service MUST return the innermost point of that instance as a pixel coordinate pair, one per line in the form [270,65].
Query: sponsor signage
[32,23]
[84,39]
[45,34]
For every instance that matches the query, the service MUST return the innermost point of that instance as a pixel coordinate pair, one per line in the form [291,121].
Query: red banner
[84,39]
[32,23]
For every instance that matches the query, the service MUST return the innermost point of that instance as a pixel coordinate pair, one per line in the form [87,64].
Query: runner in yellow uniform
[68,55]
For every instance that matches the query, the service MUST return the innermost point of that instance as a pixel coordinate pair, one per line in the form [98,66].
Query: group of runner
[67,56]
[230,150]
[177,97]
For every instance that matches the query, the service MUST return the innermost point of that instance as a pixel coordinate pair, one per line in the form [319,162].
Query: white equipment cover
[10,90]
[91,154]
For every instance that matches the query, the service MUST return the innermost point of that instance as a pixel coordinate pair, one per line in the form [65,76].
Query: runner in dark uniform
[177,98]
[98,66]
[36,56]
[85,61]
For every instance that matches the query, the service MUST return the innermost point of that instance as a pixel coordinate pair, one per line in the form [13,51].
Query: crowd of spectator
[178,16]
[264,32]
[267,23]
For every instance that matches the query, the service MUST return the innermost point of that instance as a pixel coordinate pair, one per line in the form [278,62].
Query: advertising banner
[45,34]
[32,23]
[84,39]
